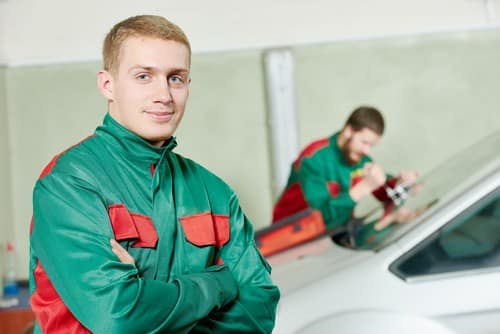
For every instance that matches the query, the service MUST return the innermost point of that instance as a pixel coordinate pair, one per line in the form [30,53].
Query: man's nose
[162,91]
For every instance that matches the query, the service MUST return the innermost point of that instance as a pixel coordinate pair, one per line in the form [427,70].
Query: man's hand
[374,177]
[408,177]
[401,215]
[121,253]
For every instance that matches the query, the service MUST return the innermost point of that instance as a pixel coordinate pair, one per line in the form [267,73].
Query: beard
[348,155]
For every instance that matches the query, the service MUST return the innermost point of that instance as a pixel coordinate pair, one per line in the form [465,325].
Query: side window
[470,241]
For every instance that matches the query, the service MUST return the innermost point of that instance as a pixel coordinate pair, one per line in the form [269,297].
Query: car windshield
[433,187]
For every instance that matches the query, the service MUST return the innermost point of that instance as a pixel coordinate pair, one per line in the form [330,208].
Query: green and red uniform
[184,227]
[320,179]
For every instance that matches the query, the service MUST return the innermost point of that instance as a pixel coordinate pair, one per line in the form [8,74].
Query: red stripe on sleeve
[50,311]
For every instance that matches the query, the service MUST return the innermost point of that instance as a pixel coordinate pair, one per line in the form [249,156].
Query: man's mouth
[160,115]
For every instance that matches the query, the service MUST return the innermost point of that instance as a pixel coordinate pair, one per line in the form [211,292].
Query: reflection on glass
[375,226]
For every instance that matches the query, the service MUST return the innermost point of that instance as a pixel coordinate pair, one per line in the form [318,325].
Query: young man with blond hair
[128,236]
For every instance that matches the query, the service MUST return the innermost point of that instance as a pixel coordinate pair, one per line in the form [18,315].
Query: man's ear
[105,84]
[348,131]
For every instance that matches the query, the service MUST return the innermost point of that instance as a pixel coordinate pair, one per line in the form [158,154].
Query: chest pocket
[206,229]
[127,225]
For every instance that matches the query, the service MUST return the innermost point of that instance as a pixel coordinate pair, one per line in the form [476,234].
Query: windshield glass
[397,218]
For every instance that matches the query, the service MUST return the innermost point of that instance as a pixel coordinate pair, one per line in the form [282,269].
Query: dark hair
[366,117]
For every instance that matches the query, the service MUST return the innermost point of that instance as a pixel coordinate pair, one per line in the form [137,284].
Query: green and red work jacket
[320,179]
[193,246]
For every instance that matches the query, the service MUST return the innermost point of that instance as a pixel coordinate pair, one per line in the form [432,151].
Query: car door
[456,270]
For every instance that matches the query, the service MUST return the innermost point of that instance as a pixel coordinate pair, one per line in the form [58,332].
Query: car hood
[298,272]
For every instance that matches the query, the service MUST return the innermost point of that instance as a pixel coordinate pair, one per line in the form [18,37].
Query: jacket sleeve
[368,237]
[254,310]
[381,194]
[336,210]
[70,238]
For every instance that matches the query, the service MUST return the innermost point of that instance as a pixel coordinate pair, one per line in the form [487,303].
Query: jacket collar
[130,145]
[333,143]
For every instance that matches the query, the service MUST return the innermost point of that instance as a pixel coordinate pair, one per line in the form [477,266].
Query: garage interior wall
[224,127]
[438,90]
[6,222]
[438,93]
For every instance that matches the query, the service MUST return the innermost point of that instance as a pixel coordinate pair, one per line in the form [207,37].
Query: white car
[437,273]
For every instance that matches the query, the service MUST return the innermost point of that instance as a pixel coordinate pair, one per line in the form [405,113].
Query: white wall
[3,30]
[60,30]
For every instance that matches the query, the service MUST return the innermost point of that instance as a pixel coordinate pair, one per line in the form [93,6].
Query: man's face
[149,90]
[358,144]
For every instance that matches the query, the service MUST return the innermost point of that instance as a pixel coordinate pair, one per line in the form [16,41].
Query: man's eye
[143,77]
[176,80]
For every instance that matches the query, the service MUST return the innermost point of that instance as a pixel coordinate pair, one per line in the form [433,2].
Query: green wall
[54,106]
[6,226]
[225,129]
[438,92]
[50,108]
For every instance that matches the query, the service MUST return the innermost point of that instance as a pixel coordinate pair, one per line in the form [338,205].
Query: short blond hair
[142,25]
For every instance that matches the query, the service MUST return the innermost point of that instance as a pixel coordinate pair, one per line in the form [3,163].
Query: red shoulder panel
[48,168]
[310,150]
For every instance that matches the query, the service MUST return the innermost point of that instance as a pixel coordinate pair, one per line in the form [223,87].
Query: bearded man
[332,174]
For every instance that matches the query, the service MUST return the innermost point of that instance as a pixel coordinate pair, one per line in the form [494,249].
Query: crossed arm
[70,241]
